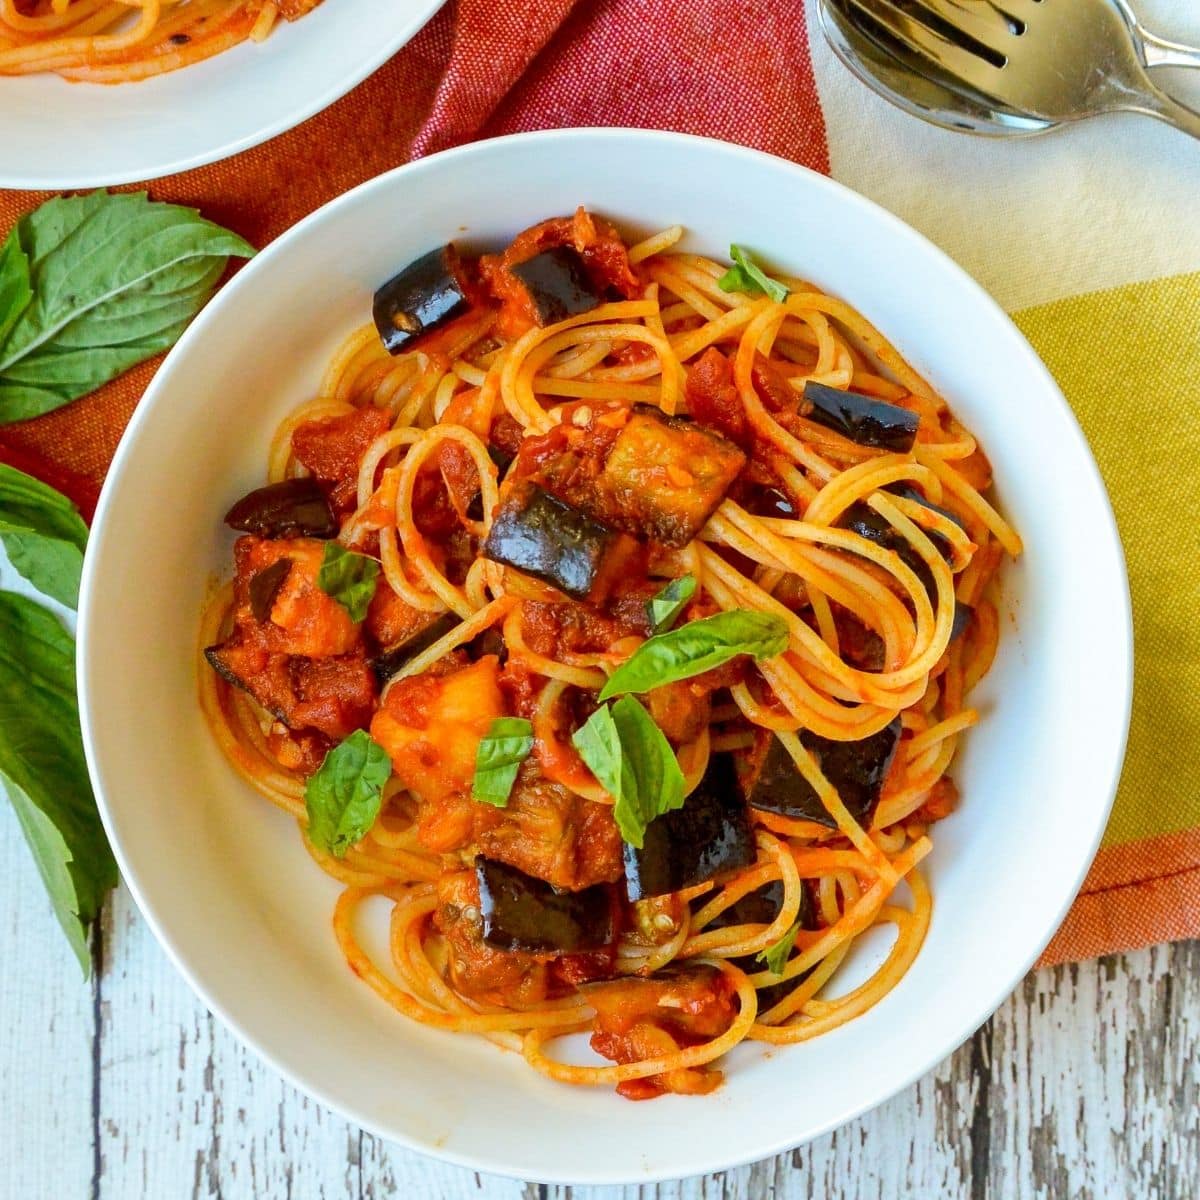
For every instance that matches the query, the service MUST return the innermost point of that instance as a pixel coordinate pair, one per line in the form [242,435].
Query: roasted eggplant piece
[962,618]
[429,292]
[548,539]
[523,913]
[557,284]
[665,476]
[760,907]
[711,833]
[862,419]
[856,769]
[290,508]
[389,661]
[264,587]
[862,519]
[906,492]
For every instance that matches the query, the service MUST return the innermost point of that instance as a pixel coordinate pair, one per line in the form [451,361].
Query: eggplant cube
[389,661]
[548,539]
[711,833]
[523,913]
[856,769]
[427,293]
[862,419]
[289,508]
[665,476]
[557,283]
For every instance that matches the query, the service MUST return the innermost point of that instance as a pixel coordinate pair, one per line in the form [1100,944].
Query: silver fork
[1059,60]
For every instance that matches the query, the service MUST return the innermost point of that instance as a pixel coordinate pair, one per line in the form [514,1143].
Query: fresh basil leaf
[350,578]
[42,766]
[43,534]
[670,602]
[776,956]
[502,750]
[747,276]
[634,763]
[343,795]
[115,279]
[15,292]
[697,647]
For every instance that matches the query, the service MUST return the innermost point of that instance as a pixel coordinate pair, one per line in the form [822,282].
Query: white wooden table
[1084,1084]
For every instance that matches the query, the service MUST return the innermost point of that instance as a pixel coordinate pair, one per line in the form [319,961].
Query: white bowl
[55,134]
[222,877]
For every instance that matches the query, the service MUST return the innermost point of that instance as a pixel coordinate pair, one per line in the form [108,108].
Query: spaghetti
[574,451]
[122,41]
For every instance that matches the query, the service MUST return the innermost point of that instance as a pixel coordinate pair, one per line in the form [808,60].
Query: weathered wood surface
[1084,1084]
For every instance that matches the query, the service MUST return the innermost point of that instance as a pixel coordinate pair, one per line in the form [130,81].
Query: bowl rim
[68,178]
[947,1042]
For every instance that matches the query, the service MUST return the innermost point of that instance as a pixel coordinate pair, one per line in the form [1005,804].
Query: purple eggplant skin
[523,913]
[862,519]
[389,661]
[557,283]
[711,833]
[856,769]
[548,539]
[761,907]
[907,492]
[290,508]
[427,293]
[962,618]
[863,419]
[264,587]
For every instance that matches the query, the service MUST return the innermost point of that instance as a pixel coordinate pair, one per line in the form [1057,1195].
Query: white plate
[57,135]
[222,877]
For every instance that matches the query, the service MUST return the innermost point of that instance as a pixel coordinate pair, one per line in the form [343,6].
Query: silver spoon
[999,68]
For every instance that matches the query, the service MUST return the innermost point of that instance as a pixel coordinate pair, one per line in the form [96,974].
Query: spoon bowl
[1011,69]
[880,62]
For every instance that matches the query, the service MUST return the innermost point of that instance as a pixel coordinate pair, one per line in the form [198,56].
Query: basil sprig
[634,763]
[776,956]
[92,285]
[697,647]
[344,794]
[42,766]
[502,750]
[663,608]
[43,534]
[747,276]
[349,578]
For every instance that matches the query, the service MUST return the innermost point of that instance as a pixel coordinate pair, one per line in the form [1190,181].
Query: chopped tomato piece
[332,449]
[640,1019]
[713,400]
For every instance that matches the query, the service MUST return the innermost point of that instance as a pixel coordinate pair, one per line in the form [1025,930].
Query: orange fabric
[1135,894]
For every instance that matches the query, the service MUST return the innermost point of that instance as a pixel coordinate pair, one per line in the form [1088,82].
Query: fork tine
[984,22]
[969,68]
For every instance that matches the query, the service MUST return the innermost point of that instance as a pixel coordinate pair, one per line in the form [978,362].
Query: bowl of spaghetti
[622,641]
[94,93]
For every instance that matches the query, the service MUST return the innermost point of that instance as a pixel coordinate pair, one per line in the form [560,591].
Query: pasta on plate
[613,612]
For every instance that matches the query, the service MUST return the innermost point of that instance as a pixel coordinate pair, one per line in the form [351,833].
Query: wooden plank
[186,1110]
[388,1171]
[46,1026]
